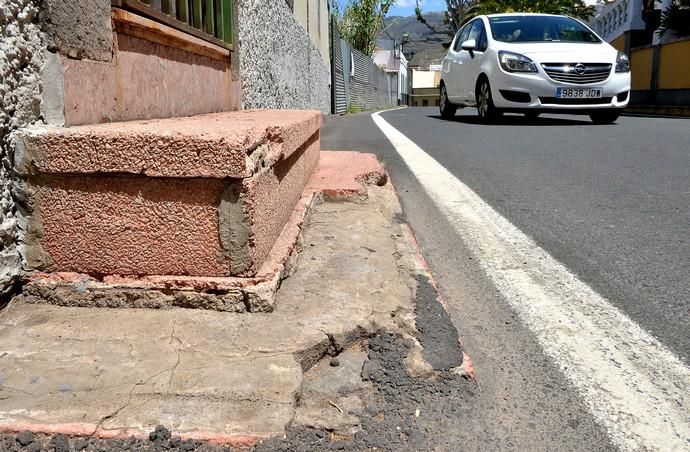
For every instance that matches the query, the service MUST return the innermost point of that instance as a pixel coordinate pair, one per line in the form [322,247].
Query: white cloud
[426,4]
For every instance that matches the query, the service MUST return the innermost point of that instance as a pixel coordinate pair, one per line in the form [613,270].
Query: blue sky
[406,7]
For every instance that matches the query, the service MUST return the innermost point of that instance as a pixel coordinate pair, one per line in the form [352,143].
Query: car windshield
[540,29]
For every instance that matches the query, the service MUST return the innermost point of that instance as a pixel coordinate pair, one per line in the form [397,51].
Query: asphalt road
[612,203]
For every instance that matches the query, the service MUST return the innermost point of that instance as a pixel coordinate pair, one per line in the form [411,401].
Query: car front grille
[578,73]
[558,101]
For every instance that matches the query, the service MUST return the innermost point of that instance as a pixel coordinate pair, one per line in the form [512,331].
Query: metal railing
[211,20]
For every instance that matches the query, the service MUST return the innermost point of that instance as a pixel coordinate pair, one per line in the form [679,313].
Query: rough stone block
[79,28]
[202,196]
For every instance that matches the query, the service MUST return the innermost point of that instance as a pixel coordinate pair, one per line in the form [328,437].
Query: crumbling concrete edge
[411,265]
[466,369]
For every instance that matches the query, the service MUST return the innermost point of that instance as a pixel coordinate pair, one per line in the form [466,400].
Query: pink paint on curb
[467,365]
[409,235]
[345,174]
[93,430]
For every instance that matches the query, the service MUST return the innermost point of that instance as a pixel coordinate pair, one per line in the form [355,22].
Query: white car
[533,63]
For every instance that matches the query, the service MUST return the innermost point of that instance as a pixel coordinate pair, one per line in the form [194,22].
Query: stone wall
[21,61]
[33,34]
[279,65]
[64,63]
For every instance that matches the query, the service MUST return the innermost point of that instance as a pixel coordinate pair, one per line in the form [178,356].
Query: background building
[314,15]
[395,63]
[660,63]
[425,88]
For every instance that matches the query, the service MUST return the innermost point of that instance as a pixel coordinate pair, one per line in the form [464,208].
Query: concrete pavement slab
[218,376]
[333,393]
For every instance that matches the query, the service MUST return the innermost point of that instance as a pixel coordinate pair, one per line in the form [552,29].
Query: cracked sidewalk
[227,378]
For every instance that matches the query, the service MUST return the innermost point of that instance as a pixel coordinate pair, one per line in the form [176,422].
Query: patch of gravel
[405,413]
[435,330]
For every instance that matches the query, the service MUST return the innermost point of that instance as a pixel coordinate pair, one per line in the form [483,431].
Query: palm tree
[676,19]
[576,8]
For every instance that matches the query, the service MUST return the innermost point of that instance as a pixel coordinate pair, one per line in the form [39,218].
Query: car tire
[447,109]
[604,116]
[486,109]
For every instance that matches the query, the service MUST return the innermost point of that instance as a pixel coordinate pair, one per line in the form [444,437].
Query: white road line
[632,384]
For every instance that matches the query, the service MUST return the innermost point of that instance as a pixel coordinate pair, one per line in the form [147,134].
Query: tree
[454,15]
[676,19]
[576,8]
[460,11]
[361,20]
[457,10]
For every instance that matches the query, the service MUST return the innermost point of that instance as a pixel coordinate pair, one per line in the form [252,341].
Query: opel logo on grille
[579,69]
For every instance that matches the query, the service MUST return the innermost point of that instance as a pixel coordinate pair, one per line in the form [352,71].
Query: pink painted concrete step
[233,144]
[201,196]
[345,174]
[340,175]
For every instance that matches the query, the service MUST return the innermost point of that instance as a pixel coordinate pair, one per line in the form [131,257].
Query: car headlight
[514,62]
[622,63]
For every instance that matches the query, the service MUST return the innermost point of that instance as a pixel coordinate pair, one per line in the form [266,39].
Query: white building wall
[314,17]
[402,76]
[423,79]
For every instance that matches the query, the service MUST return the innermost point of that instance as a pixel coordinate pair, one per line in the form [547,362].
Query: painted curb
[93,430]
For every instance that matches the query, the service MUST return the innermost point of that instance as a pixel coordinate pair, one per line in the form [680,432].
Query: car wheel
[604,116]
[485,103]
[447,109]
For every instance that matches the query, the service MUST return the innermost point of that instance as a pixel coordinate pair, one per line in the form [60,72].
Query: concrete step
[339,176]
[217,376]
[200,196]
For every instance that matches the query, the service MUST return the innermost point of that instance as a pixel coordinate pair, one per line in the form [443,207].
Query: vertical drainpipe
[332,30]
[654,84]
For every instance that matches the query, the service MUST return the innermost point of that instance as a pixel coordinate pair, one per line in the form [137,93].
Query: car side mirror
[469,45]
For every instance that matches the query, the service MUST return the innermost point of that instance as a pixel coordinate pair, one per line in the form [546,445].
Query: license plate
[578,93]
